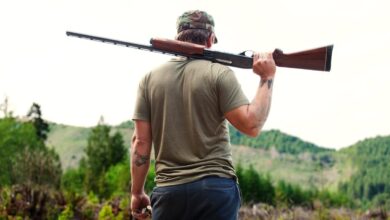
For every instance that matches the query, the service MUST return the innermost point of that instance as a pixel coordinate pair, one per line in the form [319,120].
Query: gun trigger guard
[244,53]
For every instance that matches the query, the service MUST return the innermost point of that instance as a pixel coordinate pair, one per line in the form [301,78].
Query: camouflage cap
[195,19]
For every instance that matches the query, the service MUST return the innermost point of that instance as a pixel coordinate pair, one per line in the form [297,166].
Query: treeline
[258,188]
[283,143]
[370,184]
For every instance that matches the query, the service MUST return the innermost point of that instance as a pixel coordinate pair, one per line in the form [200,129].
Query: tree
[41,126]
[255,187]
[103,151]
[37,167]
[15,136]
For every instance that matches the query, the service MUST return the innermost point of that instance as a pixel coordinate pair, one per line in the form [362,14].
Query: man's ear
[210,40]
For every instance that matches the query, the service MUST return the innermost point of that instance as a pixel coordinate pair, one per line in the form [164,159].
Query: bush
[117,179]
[73,181]
[106,213]
[255,187]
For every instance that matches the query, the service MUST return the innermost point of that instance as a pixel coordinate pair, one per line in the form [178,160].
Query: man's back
[181,109]
[185,102]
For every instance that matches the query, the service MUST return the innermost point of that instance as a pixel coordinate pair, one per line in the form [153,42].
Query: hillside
[361,170]
[70,141]
[280,155]
[371,181]
[282,142]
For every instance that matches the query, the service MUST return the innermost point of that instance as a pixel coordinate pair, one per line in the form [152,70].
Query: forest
[34,183]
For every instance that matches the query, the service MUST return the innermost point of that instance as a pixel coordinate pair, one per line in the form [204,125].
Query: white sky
[76,81]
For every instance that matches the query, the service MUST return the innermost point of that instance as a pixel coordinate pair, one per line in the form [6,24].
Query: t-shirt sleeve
[230,93]
[142,104]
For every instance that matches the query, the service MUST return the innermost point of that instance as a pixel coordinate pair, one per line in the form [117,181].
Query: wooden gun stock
[313,59]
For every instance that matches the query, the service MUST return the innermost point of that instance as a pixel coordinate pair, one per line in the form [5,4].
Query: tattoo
[269,83]
[140,159]
[263,109]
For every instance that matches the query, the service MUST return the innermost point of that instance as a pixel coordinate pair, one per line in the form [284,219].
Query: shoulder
[221,68]
[210,67]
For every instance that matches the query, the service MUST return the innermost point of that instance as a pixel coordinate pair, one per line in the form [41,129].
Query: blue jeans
[211,198]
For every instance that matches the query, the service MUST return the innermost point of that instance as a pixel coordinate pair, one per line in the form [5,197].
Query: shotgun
[314,59]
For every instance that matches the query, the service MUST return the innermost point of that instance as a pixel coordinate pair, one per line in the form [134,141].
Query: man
[181,109]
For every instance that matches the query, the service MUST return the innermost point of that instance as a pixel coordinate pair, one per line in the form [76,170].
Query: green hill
[371,181]
[70,141]
[280,155]
[282,142]
[363,168]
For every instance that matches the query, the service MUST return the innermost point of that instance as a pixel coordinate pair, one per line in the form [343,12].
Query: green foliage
[93,198]
[35,202]
[117,179]
[372,178]
[73,180]
[40,125]
[283,143]
[37,167]
[150,184]
[254,187]
[292,194]
[67,214]
[15,136]
[106,213]
[126,124]
[382,200]
[24,156]
[103,151]
[334,199]
[257,188]
[5,195]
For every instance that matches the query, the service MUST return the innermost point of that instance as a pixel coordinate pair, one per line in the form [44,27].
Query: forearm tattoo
[140,160]
[264,108]
[269,83]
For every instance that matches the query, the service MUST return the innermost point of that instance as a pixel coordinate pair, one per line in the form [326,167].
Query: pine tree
[41,126]
[103,151]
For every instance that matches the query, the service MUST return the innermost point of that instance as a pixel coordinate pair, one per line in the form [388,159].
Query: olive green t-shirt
[185,101]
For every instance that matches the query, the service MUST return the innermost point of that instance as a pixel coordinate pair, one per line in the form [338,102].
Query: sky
[77,81]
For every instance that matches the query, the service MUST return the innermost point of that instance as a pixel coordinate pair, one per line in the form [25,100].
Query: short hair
[196,36]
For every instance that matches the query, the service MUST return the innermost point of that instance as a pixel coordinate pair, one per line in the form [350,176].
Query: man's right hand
[139,202]
[264,65]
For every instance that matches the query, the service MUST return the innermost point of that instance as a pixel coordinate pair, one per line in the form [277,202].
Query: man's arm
[140,160]
[250,119]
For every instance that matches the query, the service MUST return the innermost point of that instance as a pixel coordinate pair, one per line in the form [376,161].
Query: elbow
[141,143]
[254,129]
[253,132]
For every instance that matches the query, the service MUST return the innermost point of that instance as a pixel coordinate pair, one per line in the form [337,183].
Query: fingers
[262,55]
[144,214]
[264,65]
[140,206]
[139,215]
